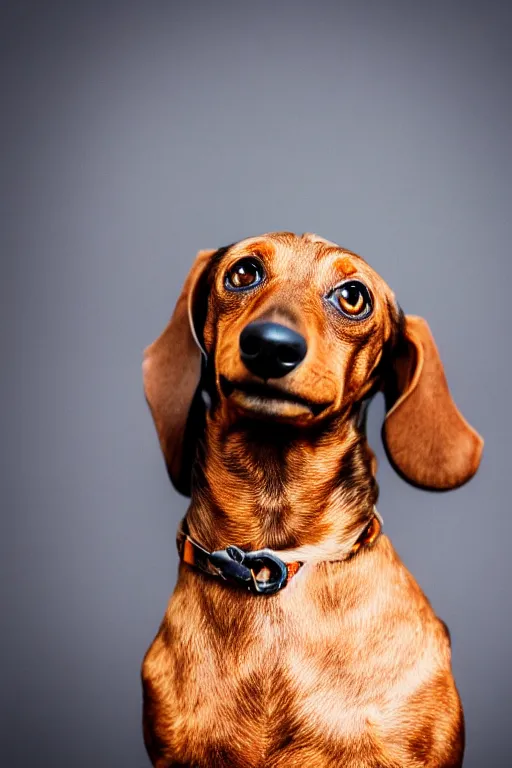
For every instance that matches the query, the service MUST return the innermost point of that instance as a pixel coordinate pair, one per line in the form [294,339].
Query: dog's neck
[261,484]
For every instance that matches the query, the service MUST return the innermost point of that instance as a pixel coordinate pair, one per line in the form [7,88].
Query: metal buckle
[242,568]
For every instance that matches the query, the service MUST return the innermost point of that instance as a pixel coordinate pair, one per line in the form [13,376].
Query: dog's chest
[244,683]
[257,692]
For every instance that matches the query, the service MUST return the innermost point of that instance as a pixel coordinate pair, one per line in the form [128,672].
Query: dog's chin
[271,407]
[265,401]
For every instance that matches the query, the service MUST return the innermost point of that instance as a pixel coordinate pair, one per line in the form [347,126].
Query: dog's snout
[270,350]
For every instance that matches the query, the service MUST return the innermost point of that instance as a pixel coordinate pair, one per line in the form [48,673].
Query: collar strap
[262,571]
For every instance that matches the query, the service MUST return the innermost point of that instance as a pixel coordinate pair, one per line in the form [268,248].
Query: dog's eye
[246,273]
[352,299]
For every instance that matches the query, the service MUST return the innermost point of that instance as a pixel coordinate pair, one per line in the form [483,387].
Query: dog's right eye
[246,273]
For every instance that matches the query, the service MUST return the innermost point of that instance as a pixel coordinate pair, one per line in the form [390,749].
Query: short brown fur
[348,665]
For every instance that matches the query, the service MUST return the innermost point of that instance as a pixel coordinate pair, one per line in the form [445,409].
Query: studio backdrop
[134,134]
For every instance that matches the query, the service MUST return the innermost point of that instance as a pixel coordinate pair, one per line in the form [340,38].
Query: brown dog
[334,658]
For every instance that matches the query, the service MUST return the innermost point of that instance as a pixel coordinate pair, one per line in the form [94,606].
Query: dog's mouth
[269,400]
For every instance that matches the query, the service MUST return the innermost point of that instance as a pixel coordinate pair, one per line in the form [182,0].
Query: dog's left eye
[352,298]
[246,273]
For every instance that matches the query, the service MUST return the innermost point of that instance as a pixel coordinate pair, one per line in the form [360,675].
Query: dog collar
[261,571]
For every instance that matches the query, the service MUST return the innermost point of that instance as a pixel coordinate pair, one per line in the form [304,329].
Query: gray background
[131,136]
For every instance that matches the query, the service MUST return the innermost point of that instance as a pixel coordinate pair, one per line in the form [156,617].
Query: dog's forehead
[307,253]
[308,244]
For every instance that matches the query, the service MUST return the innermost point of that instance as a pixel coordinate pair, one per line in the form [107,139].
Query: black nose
[270,350]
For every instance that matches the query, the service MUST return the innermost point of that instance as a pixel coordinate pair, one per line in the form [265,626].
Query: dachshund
[295,635]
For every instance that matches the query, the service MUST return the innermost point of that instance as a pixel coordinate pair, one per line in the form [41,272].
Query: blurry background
[134,134]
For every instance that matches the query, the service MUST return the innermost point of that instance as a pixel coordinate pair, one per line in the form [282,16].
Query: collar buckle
[243,568]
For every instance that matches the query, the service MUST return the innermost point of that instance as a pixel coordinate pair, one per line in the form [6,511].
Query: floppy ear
[427,439]
[171,373]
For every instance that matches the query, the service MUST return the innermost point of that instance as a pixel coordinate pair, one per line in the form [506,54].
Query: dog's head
[298,330]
